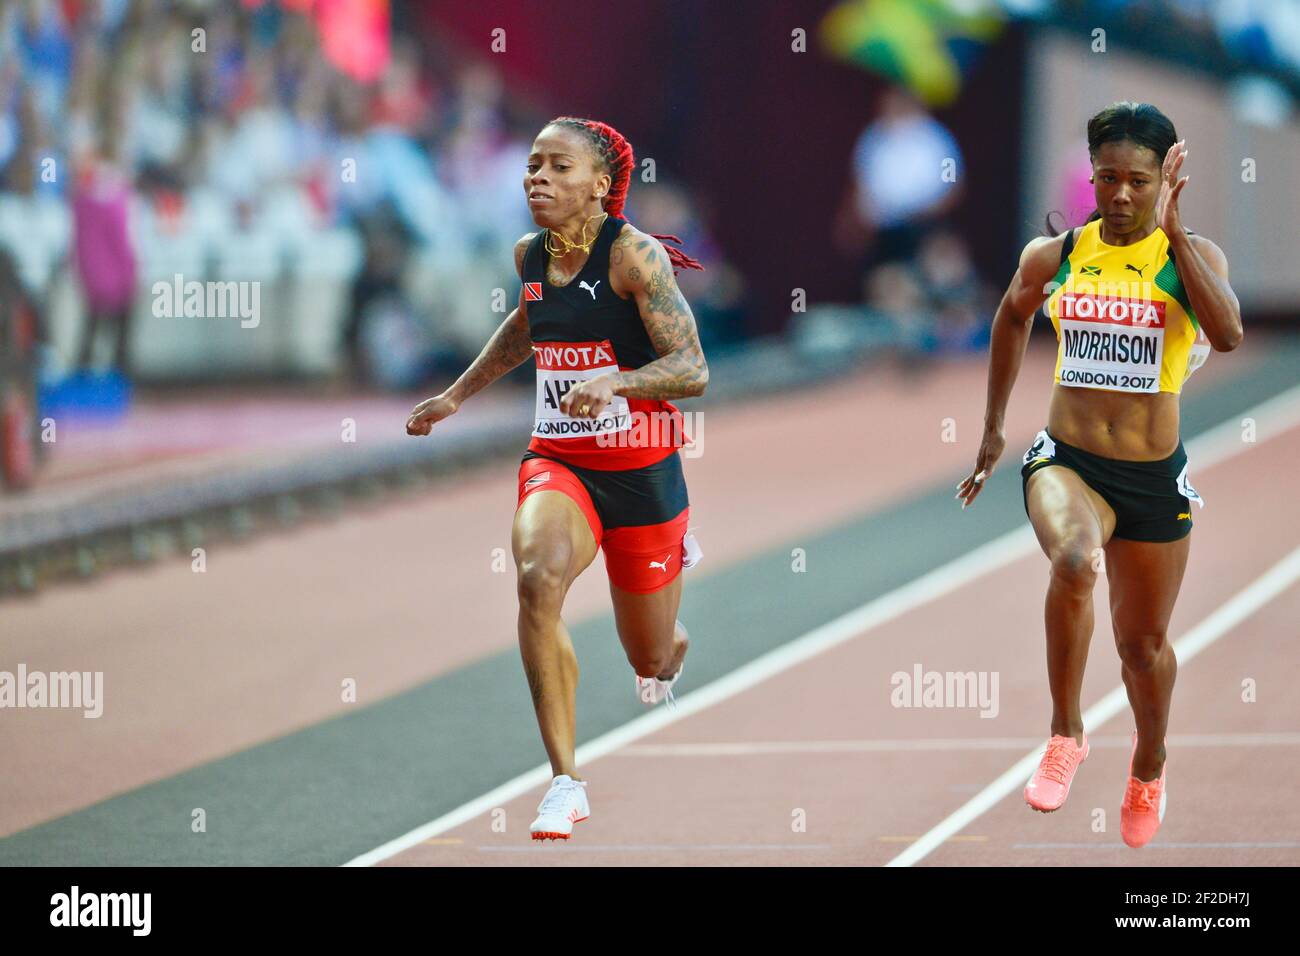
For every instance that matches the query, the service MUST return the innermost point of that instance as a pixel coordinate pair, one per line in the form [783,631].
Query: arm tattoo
[622,243]
[681,370]
[509,346]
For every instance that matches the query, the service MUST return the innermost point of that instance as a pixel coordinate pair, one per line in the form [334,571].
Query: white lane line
[1272,418]
[1163,846]
[970,566]
[1228,615]
[652,847]
[778,747]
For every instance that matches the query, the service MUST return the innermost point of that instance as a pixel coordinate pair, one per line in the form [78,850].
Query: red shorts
[638,517]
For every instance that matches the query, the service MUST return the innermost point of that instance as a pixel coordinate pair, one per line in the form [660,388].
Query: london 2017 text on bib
[561,366]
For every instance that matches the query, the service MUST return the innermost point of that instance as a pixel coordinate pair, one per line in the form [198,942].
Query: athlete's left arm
[1203,268]
[640,265]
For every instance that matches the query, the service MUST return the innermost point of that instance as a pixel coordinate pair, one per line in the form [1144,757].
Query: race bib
[1199,352]
[1111,342]
[1185,488]
[561,366]
[1043,447]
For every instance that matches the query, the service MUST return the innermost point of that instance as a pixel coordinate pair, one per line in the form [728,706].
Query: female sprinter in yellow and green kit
[1137,302]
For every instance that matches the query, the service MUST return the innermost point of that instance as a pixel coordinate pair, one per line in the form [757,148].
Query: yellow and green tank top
[1122,317]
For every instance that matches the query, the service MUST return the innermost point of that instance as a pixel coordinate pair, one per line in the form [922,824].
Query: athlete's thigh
[644,552]
[1065,511]
[549,524]
[646,621]
[1144,578]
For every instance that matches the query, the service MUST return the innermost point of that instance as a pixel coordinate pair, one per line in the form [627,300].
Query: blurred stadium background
[359,162]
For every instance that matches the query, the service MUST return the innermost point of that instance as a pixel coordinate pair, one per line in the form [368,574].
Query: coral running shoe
[1050,784]
[1143,809]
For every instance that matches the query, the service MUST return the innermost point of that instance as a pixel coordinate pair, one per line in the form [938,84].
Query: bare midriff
[1114,424]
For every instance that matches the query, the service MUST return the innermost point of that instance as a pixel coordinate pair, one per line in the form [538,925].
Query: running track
[223,688]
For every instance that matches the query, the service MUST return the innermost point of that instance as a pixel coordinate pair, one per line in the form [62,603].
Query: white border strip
[1217,444]
[780,748]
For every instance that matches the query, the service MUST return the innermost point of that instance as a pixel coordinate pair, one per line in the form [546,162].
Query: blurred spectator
[371,185]
[20,336]
[960,302]
[921,293]
[906,170]
[105,261]
[895,297]
[934,302]
[931,304]
[716,295]
[44,48]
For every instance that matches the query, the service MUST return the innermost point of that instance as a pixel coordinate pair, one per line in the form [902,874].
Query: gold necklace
[559,252]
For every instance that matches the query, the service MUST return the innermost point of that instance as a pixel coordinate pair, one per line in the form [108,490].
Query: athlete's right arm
[509,346]
[1039,262]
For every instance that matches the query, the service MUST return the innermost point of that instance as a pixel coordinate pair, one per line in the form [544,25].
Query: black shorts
[635,496]
[1152,500]
[639,517]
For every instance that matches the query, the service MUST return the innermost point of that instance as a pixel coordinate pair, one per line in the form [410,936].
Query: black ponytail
[1050,231]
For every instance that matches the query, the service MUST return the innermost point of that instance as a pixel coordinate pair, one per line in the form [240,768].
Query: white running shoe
[652,690]
[564,805]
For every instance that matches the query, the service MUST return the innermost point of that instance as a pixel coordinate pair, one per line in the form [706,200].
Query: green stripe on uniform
[1167,280]
[1062,273]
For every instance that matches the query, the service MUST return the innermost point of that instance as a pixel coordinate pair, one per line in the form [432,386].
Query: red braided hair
[616,153]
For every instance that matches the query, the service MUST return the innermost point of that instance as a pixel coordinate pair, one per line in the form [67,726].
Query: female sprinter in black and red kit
[613,341]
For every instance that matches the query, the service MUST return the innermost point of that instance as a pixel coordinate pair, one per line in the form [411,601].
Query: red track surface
[273,623]
[655,802]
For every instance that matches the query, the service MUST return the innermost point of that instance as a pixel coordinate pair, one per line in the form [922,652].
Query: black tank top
[587,308]
[585,329]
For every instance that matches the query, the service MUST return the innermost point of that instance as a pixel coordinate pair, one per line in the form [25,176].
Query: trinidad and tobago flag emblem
[532,292]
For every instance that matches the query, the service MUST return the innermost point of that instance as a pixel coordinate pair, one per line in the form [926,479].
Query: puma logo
[661,565]
[590,288]
[1129,265]
[1185,516]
